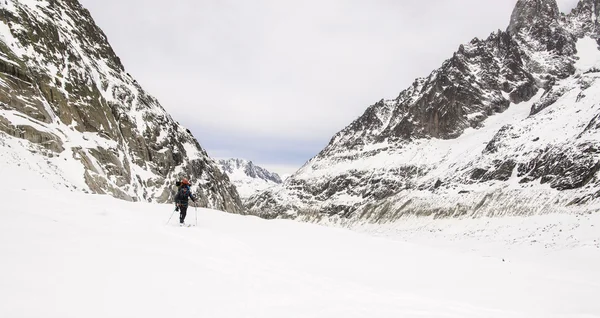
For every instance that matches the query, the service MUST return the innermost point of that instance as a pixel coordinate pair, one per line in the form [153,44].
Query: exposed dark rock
[550,97]
[564,170]
[528,12]
[478,173]
[502,172]
[503,134]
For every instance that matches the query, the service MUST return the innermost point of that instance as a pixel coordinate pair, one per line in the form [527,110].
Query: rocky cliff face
[64,89]
[541,12]
[507,125]
[248,177]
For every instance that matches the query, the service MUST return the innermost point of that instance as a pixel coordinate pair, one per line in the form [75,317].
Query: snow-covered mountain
[508,125]
[66,97]
[248,177]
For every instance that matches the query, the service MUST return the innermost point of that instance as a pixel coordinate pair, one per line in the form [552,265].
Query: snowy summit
[248,178]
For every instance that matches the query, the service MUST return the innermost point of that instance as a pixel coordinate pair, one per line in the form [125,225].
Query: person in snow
[184,194]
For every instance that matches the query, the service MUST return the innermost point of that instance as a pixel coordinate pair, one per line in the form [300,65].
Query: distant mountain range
[248,177]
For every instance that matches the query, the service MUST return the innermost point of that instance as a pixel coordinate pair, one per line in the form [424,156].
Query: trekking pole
[196,210]
[171,216]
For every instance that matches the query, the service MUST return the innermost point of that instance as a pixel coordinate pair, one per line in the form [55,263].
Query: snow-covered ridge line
[248,178]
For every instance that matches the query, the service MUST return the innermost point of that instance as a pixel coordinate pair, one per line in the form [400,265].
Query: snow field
[75,255]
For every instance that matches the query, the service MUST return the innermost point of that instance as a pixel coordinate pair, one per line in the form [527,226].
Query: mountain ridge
[248,177]
[434,140]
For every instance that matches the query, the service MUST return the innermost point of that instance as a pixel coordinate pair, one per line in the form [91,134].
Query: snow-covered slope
[508,126]
[248,178]
[69,254]
[65,93]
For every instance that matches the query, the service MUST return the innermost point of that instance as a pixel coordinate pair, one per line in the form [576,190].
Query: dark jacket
[184,193]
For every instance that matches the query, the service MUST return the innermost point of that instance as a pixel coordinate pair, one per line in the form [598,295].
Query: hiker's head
[185,182]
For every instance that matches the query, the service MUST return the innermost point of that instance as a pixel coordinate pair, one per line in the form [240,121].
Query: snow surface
[588,54]
[248,186]
[68,254]
[75,255]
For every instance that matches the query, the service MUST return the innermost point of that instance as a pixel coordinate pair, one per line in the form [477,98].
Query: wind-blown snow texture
[247,177]
[64,91]
[69,254]
[508,126]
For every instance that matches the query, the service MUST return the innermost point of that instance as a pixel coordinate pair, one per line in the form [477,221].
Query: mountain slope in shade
[507,125]
[248,178]
[64,91]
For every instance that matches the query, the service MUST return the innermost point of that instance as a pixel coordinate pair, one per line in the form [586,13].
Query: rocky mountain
[66,95]
[509,125]
[248,178]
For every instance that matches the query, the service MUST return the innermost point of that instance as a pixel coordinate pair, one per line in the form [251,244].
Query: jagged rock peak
[249,169]
[528,12]
[588,8]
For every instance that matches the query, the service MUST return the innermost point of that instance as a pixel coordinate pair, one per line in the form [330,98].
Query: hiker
[184,193]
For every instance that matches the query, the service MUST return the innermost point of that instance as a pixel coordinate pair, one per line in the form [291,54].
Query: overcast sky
[273,80]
